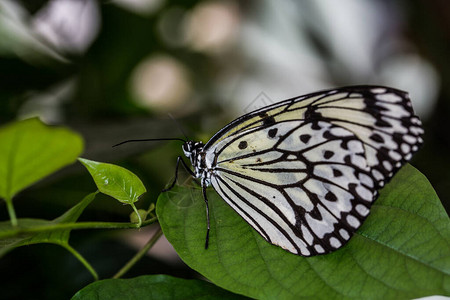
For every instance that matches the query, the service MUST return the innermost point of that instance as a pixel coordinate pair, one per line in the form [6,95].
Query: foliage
[50,149]
[36,231]
[29,151]
[401,251]
[116,182]
[153,287]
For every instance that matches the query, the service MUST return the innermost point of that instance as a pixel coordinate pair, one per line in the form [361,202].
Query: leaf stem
[11,211]
[139,255]
[138,215]
[80,225]
[82,260]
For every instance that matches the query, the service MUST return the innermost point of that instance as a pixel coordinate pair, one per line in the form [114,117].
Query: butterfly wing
[304,172]
[381,117]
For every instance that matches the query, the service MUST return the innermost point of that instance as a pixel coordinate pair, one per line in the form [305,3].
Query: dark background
[113,71]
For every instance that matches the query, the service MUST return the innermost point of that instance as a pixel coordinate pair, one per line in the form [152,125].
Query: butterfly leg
[207,212]
[176,173]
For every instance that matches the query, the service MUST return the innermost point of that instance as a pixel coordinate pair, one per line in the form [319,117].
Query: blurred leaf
[401,251]
[57,236]
[153,287]
[115,181]
[31,150]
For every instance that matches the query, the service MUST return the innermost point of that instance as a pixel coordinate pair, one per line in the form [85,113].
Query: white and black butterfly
[305,171]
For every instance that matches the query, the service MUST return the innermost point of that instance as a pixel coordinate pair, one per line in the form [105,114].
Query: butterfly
[305,171]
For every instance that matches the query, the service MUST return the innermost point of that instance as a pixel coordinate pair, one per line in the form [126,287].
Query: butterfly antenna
[150,140]
[178,125]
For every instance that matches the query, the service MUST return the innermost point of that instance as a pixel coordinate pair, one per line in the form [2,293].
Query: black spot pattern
[382,123]
[377,138]
[337,173]
[315,213]
[311,114]
[269,120]
[272,132]
[242,145]
[328,154]
[327,135]
[305,138]
[331,197]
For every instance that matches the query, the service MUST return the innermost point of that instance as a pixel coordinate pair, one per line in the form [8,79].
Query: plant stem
[80,225]
[138,215]
[11,211]
[82,260]
[139,255]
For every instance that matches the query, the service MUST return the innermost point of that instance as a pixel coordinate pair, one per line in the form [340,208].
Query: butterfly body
[304,172]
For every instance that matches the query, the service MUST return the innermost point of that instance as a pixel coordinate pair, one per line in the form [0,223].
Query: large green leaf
[115,181]
[401,251]
[30,150]
[152,287]
[56,236]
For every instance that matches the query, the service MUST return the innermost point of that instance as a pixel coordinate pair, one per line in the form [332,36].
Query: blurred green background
[113,70]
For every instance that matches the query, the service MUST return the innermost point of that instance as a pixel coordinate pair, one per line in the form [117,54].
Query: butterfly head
[194,151]
[191,148]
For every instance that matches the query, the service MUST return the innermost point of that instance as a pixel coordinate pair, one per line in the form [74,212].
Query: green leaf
[115,181]
[30,150]
[152,287]
[401,251]
[57,236]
